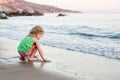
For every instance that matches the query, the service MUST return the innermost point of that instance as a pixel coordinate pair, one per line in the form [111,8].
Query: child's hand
[45,60]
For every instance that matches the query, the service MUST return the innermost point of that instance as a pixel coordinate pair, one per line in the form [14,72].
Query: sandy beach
[65,65]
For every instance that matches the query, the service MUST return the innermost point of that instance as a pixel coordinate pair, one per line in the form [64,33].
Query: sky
[109,6]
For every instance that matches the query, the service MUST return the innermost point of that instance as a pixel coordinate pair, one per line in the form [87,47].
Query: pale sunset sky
[112,6]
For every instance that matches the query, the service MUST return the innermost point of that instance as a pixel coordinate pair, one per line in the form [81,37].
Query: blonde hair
[35,30]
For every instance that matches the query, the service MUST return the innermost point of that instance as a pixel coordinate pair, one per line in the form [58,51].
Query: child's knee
[34,46]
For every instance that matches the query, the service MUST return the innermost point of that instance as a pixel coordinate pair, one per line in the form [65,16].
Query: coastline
[66,65]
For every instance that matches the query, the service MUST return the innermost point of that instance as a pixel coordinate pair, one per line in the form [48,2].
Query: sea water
[88,33]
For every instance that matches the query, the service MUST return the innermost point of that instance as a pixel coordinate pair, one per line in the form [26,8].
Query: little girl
[30,44]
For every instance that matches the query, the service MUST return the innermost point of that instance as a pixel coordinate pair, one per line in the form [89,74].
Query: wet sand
[65,65]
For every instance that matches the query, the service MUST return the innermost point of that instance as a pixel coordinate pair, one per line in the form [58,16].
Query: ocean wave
[113,36]
[116,36]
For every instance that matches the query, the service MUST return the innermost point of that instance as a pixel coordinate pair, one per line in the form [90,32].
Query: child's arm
[40,50]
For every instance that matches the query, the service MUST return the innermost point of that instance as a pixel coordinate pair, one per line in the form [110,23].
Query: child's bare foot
[26,58]
[46,60]
[32,59]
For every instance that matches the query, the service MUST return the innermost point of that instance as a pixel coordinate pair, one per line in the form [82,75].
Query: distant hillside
[31,7]
[4,8]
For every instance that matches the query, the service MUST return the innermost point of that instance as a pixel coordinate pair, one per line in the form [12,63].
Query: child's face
[39,35]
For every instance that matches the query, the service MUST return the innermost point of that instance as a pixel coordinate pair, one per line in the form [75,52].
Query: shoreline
[66,65]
